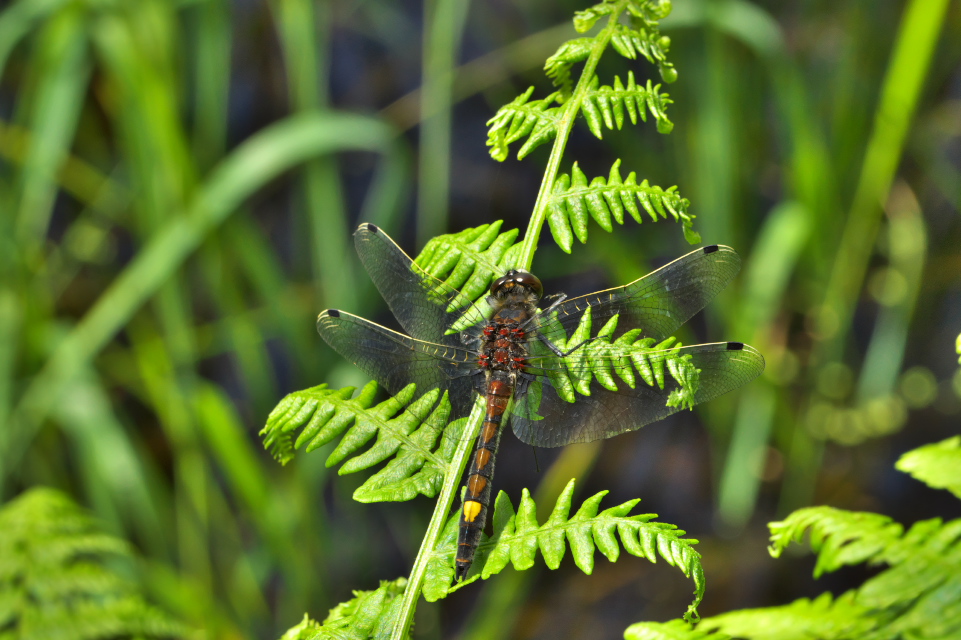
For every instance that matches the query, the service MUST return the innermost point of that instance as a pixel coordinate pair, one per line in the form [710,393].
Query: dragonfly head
[517,282]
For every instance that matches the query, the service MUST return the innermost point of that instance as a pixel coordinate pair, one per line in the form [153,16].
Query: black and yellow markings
[472,509]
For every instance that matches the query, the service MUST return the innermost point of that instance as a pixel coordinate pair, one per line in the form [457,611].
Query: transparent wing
[658,303]
[395,360]
[425,306]
[541,417]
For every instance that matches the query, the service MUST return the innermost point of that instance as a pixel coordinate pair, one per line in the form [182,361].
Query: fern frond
[408,433]
[558,66]
[628,357]
[917,596]
[643,37]
[369,614]
[517,537]
[822,617]
[936,465]
[537,120]
[56,574]
[838,537]
[585,19]
[671,630]
[573,200]
[470,259]
[604,106]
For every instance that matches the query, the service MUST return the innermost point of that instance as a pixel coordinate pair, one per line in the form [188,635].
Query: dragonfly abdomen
[500,388]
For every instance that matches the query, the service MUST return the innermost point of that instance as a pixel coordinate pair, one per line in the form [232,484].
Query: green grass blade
[302,27]
[267,154]
[62,70]
[17,20]
[908,69]
[445,24]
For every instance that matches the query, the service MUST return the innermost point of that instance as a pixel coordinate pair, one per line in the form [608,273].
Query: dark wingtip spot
[711,249]
[735,346]
[333,313]
[373,228]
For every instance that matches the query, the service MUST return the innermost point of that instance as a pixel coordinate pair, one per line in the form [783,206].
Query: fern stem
[539,215]
[436,527]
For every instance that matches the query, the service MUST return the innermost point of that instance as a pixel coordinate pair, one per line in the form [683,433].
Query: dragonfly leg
[557,351]
[560,297]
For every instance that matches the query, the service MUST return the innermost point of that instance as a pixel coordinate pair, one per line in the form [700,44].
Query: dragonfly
[525,362]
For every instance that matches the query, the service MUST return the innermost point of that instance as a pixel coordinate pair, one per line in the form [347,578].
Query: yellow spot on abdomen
[472,510]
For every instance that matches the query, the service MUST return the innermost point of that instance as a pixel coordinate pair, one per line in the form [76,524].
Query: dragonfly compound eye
[517,278]
[499,284]
[529,281]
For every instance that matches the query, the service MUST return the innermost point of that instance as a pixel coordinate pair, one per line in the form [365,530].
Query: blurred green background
[179,183]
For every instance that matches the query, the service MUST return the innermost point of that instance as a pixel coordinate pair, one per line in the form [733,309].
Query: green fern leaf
[57,575]
[304,630]
[470,259]
[517,537]
[937,465]
[823,618]
[917,596]
[585,20]
[926,558]
[558,66]
[369,614]
[671,630]
[627,358]
[605,106]
[803,619]
[537,120]
[573,201]
[643,37]
[839,537]
[407,433]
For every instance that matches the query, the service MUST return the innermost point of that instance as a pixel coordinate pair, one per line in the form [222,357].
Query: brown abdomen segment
[477,496]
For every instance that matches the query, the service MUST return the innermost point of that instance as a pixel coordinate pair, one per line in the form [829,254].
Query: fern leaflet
[605,106]
[537,120]
[517,537]
[470,259]
[572,200]
[369,614]
[937,465]
[644,38]
[839,537]
[558,66]
[406,432]
[623,357]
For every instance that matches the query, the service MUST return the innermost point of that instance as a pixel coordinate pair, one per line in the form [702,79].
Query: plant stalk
[539,215]
[436,526]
